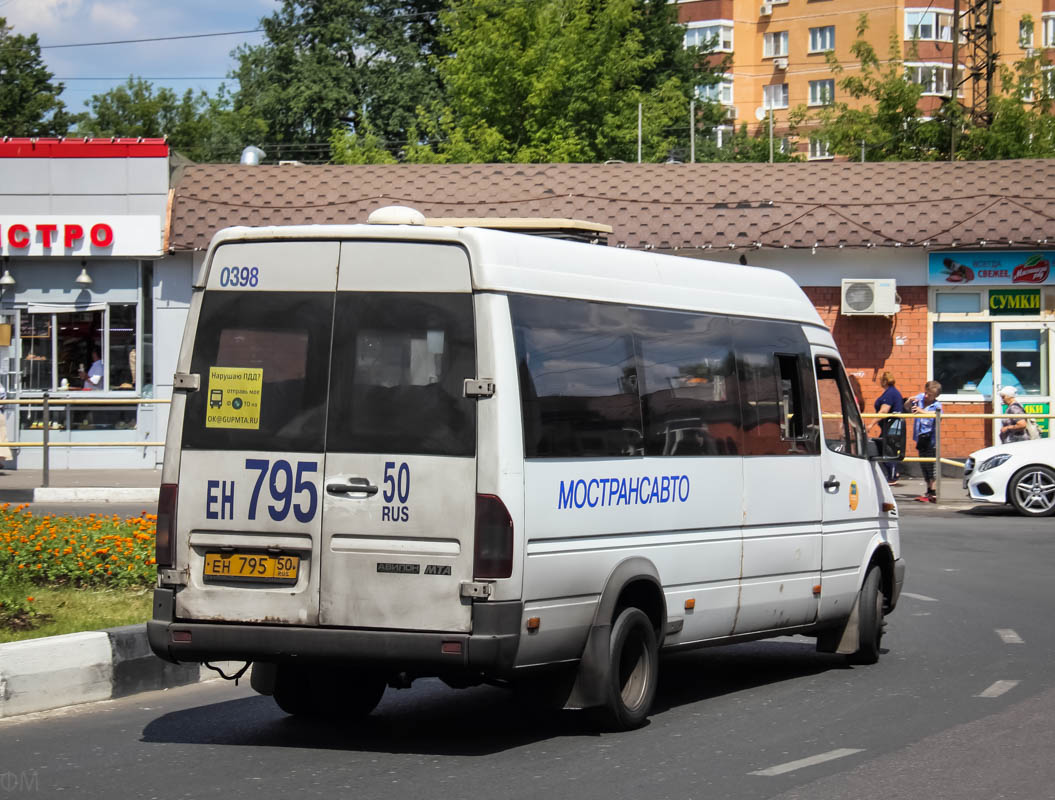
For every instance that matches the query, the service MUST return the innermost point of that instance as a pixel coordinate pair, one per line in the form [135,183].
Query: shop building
[88,308]
[960,249]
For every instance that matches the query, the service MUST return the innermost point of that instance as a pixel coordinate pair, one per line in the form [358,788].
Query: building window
[959,302]
[1047,23]
[1047,81]
[775,44]
[1025,33]
[928,25]
[934,78]
[822,93]
[715,35]
[775,96]
[721,92]
[822,39]
[819,148]
[963,356]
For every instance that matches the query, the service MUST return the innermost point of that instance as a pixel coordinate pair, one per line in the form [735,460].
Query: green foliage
[885,115]
[1018,124]
[560,81]
[334,65]
[29,99]
[200,127]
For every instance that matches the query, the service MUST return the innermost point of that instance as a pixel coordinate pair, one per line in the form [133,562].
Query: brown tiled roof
[661,206]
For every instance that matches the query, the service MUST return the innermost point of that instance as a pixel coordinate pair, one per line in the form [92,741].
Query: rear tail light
[493,553]
[165,539]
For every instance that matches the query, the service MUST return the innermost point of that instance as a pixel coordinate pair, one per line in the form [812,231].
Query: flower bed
[95,551]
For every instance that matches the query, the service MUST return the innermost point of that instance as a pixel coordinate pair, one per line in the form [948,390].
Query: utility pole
[692,131]
[638,133]
[862,151]
[955,84]
[770,135]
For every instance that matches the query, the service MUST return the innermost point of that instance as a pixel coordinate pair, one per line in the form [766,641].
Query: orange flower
[29,599]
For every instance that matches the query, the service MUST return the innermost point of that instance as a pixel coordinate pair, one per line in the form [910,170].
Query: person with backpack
[889,402]
[1013,429]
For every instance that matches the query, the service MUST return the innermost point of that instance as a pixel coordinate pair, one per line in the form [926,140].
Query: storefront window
[959,302]
[122,363]
[74,351]
[36,351]
[1024,360]
[79,348]
[962,356]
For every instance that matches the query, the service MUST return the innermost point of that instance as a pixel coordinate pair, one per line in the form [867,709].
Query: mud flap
[592,676]
[849,639]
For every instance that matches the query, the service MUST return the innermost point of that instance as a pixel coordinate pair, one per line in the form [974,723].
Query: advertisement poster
[1018,268]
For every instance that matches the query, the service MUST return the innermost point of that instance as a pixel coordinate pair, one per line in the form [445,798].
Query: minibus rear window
[400,361]
[281,341]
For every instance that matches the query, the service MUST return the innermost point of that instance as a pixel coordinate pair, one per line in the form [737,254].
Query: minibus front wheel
[870,621]
[633,670]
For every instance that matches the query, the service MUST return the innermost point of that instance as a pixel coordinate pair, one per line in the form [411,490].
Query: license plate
[262,567]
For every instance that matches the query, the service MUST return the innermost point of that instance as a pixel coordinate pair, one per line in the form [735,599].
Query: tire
[633,670]
[1032,491]
[870,619]
[327,692]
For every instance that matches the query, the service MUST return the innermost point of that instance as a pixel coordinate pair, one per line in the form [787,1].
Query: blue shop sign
[1019,268]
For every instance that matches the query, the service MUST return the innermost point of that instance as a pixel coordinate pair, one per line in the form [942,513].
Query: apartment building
[778,50]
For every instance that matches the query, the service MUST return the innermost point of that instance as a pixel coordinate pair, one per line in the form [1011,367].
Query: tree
[200,127]
[888,122]
[29,99]
[561,80]
[339,65]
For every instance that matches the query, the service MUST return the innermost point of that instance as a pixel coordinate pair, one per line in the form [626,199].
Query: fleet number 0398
[240,276]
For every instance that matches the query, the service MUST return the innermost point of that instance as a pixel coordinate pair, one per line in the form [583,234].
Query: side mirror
[891,445]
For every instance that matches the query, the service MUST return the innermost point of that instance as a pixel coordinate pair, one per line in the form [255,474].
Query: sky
[181,64]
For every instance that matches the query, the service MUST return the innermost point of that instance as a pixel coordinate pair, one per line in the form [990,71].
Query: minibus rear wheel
[633,670]
[323,691]
[870,619]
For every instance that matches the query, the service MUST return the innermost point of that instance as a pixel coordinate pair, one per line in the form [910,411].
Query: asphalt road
[962,705]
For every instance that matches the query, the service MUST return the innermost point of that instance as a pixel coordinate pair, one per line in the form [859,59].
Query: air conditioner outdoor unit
[765,10]
[780,63]
[874,296]
[730,112]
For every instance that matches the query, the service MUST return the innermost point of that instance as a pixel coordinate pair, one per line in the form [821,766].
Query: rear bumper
[491,648]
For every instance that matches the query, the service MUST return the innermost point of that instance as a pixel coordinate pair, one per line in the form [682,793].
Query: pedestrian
[93,379]
[889,402]
[1013,429]
[925,434]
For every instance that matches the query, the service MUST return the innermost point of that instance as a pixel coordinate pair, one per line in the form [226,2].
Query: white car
[1021,474]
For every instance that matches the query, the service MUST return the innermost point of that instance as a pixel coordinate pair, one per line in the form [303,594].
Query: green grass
[72,610]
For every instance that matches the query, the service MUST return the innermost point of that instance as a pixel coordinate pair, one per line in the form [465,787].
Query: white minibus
[403,450]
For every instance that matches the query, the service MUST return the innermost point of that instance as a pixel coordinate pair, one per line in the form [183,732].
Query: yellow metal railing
[49,404]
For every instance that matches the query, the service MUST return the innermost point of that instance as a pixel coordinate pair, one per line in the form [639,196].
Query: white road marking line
[791,766]
[922,597]
[1009,636]
[998,689]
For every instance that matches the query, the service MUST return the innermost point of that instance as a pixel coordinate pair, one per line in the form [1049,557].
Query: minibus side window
[840,420]
[578,378]
[689,393]
[777,404]
[400,361]
[286,336]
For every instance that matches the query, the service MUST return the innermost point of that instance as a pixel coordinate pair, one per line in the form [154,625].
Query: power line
[155,78]
[151,39]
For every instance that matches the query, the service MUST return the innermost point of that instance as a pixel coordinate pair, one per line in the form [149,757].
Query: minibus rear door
[400,480]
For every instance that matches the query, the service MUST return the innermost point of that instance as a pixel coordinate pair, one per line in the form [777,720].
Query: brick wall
[873,345]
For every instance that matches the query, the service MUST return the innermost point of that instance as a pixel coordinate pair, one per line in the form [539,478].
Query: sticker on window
[234,397]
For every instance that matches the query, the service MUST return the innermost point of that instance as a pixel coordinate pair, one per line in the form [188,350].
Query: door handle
[354,485]
[832,483]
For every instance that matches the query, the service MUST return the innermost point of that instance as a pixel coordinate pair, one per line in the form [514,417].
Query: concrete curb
[57,671]
[85,494]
